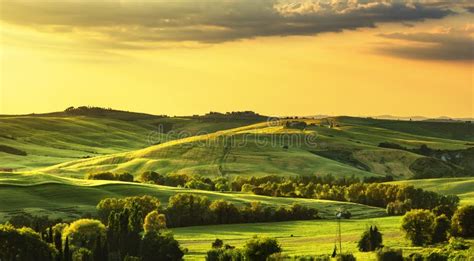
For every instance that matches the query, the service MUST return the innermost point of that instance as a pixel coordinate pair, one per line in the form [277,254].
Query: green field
[69,198]
[462,187]
[49,140]
[44,159]
[297,238]
[237,148]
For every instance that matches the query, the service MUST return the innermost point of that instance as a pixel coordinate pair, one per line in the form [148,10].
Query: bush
[152,177]
[23,244]
[83,233]
[82,254]
[418,226]
[415,257]
[260,248]
[463,221]
[441,227]
[436,256]
[218,243]
[388,254]
[223,254]
[370,240]
[155,245]
[154,222]
[110,176]
[345,257]
[457,243]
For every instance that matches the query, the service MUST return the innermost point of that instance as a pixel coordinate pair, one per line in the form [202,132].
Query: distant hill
[342,146]
[31,141]
[81,140]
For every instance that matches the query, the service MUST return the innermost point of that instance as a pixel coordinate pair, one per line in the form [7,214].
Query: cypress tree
[50,235]
[67,254]
[98,255]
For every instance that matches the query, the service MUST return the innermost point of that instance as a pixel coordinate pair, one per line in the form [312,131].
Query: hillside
[32,193]
[279,148]
[463,187]
[32,141]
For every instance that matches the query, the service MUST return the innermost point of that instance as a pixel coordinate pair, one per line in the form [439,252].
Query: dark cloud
[450,45]
[133,23]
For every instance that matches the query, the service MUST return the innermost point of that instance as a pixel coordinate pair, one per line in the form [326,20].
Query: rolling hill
[39,140]
[462,187]
[325,146]
[34,193]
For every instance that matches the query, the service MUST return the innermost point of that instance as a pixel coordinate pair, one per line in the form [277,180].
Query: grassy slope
[298,238]
[70,198]
[295,237]
[444,130]
[50,140]
[463,187]
[258,150]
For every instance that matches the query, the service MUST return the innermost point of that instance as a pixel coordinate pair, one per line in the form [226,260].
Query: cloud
[132,24]
[445,44]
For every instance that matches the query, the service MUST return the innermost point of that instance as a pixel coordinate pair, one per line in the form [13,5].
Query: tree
[370,240]
[154,222]
[260,248]
[84,233]
[463,221]
[67,252]
[58,242]
[224,212]
[152,177]
[157,247]
[23,244]
[441,227]
[218,243]
[418,225]
[107,206]
[188,209]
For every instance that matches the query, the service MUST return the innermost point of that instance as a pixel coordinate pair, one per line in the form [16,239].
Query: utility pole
[338,216]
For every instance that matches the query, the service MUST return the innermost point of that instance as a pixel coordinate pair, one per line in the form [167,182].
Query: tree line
[397,199]
[187,209]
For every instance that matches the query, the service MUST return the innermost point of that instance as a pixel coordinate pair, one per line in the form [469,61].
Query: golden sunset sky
[183,57]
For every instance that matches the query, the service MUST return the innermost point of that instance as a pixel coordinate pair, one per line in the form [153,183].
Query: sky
[276,57]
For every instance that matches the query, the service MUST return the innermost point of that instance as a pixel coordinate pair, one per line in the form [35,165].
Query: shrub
[152,177]
[441,227]
[345,257]
[23,244]
[110,176]
[83,233]
[223,254]
[218,243]
[436,256]
[370,240]
[463,221]
[82,254]
[154,222]
[457,243]
[388,254]
[155,245]
[260,248]
[418,226]
[415,257]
